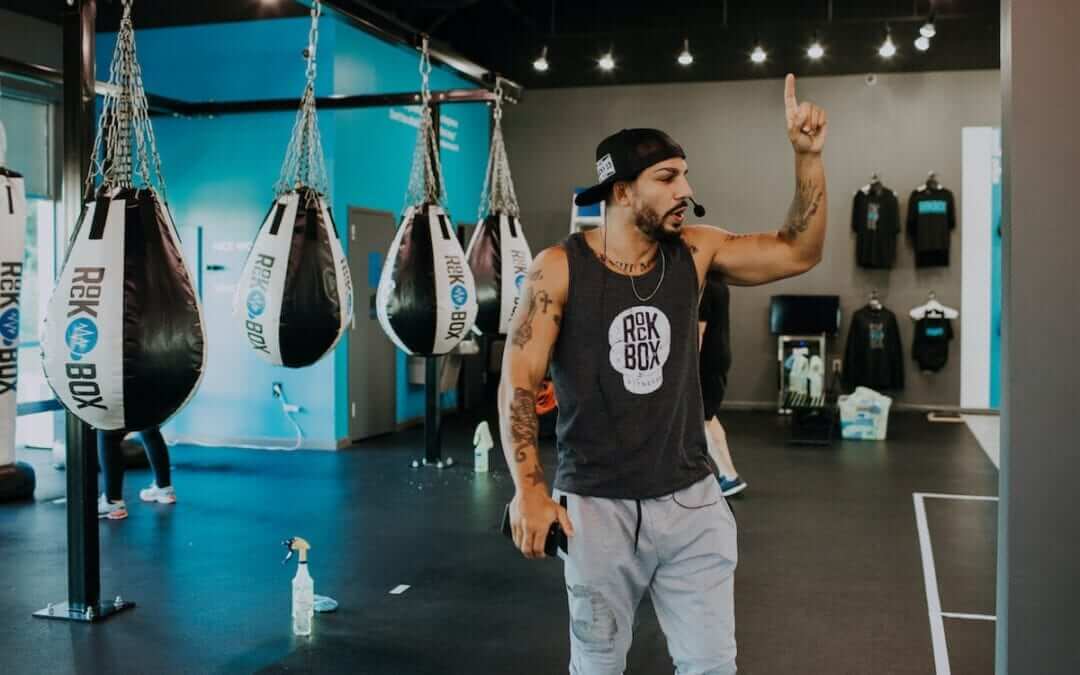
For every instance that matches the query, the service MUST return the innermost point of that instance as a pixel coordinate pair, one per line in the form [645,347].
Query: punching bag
[498,253]
[124,344]
[295,294]
[294,298]
[16,478]
[426,298]
[499,258]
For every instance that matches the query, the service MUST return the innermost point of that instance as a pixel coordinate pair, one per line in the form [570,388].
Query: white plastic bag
[864,415]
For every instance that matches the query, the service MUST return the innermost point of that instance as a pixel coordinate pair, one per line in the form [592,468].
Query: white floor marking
[975,617]
[974,498]
[398,590]
[933,596]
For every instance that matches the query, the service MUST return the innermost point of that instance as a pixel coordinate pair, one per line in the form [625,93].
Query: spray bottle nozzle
[296,544]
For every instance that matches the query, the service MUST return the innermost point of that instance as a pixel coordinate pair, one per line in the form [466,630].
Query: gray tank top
[626,378]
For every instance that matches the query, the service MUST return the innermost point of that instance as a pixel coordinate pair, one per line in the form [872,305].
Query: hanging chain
[124,127]
[304,162]
[498,194]
[425,180]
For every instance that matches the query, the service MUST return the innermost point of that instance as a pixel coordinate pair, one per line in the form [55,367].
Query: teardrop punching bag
[426,298]
[498,253]
[295,294]
[16,478]
[295,297]
[124,344]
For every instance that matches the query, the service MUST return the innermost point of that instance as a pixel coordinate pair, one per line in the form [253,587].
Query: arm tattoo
[536,275]
[536,476]
[524,332]
[544,298]
[803,207]
[523,423]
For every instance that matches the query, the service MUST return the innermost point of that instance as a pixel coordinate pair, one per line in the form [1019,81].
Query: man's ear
[621,193]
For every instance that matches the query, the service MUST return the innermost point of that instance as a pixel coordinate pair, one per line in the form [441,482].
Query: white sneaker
[111,510]
[161,495]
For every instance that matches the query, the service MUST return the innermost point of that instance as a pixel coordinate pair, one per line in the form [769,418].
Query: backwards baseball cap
[624,155]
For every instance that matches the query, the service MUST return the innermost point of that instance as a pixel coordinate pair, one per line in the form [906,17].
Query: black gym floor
[830,577]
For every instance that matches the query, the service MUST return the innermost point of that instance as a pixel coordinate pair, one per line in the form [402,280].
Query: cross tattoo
[546,299]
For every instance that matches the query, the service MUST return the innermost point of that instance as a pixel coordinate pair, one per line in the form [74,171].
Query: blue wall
[220,174]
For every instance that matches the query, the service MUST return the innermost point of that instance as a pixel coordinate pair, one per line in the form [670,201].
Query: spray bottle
[303,587]
[483,443]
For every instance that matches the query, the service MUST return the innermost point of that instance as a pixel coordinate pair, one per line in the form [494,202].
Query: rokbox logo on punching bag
[10,284]
[256,301]
[81,336]
[519,264]
[459,295]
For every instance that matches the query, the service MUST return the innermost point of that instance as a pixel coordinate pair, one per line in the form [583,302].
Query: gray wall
[1038,582]
[742,169]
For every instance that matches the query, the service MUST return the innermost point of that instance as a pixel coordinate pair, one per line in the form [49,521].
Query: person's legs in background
[111,462]
[716,438]
[161,490]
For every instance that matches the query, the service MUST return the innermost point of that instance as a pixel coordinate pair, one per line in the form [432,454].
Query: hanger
[874,185]
[933,306]
[931,182]
[874,302]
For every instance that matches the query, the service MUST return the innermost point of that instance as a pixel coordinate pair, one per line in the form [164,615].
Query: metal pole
[84,573]
[432,426]
[84,551]
[432,413]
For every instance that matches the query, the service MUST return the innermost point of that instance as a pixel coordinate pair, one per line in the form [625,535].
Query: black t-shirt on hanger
[931,217]
[875,219]
[930,348]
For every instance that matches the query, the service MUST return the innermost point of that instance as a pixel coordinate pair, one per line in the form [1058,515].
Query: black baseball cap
[624,155]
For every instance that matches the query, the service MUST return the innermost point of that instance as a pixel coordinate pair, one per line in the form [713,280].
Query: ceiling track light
[888,48]
[815,51]
[922,43]
[606,62]
[928,30]
[541,64]
[685,57]
[758,55]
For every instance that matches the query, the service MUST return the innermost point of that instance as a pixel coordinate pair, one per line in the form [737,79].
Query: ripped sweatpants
[681,549]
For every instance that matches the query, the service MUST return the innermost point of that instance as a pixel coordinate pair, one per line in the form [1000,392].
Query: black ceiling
[644,35]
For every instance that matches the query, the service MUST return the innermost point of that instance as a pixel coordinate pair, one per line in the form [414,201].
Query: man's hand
[806,123]
[532,511]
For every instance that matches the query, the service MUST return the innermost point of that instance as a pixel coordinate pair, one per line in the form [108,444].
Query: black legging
[111,458]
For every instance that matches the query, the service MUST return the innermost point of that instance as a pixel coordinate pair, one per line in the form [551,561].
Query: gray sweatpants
[685,557]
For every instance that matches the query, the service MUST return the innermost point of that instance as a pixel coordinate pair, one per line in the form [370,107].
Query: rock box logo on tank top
[640,339]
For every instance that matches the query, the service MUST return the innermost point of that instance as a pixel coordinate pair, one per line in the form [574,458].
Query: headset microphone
[699,210]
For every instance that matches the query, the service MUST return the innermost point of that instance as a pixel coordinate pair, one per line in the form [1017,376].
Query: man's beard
[651,224]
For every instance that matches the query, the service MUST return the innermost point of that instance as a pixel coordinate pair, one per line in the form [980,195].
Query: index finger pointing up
[790,104]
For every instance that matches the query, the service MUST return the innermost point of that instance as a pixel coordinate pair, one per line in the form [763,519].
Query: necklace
[633,284]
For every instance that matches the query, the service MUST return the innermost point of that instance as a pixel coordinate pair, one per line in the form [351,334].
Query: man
[613,311]
[714,328]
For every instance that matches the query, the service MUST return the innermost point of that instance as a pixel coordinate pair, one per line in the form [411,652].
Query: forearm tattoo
[523,423]
[804,206]
[536,476]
